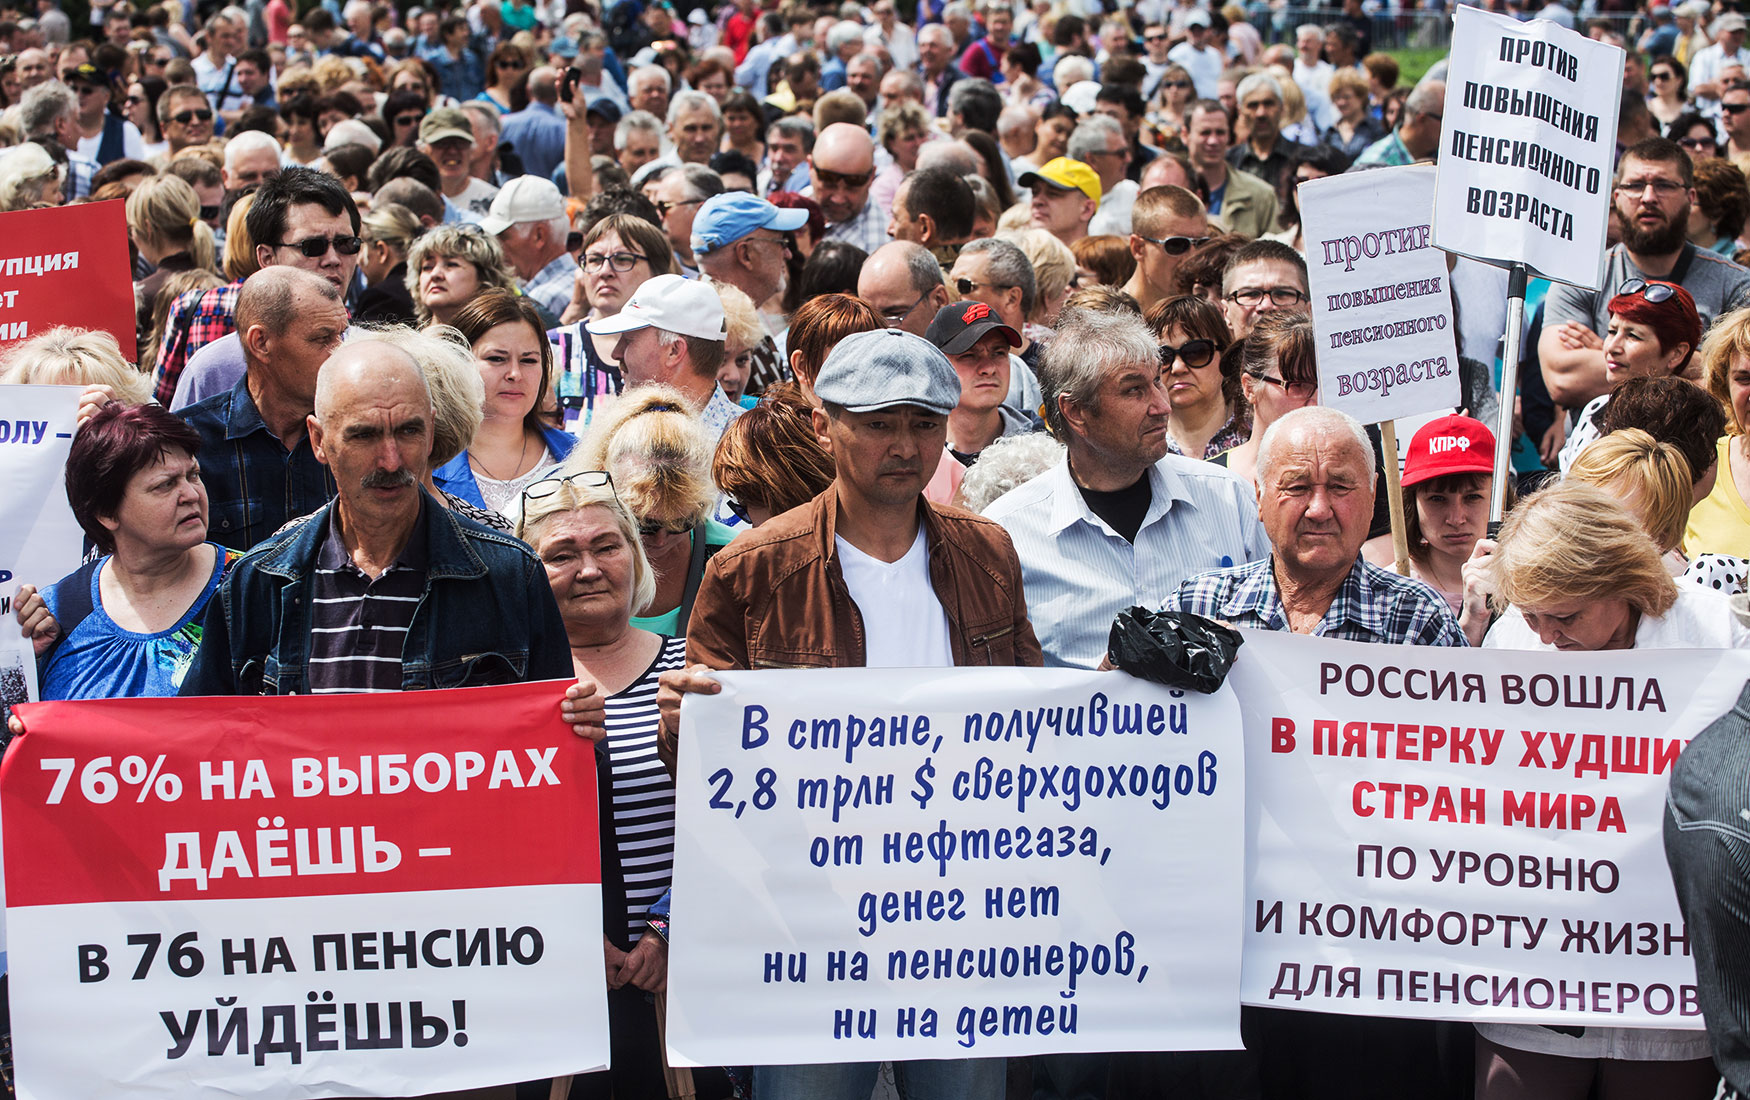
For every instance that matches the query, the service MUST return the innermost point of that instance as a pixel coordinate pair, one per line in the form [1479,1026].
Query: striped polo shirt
[358,625]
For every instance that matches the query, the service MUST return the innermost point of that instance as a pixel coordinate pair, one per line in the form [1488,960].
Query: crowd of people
[515,341]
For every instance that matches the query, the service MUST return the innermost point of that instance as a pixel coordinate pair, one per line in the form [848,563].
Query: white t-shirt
[1700,619]
[133,144]
[1204,65]
[904,625]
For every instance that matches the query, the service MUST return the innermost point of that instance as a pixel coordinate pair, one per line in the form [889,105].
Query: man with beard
[1653,195]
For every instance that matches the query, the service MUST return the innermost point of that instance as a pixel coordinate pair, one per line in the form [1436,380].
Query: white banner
[40,541]
[1381,306]
[906,863]
[1528,146]
[1468,834]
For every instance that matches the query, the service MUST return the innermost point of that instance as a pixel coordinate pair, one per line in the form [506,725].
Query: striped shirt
[358,626]
[1080,573]
[643,794]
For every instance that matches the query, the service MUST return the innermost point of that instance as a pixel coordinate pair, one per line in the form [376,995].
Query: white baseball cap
[671,303]
[524,199]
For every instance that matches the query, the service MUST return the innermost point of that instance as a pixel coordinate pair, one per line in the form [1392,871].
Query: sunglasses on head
[547,486]
[1193,353]
[1653,293]
[312,247]
[186,117]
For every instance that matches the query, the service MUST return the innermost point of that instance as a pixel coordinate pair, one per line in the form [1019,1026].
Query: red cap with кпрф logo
[1449,445]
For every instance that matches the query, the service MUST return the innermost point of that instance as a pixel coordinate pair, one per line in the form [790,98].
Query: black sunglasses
[209,213]
[186,117]
[1654,293]
[313,247]
[1193,353]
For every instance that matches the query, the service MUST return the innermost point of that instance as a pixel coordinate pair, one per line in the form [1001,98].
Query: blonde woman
[29,178]
[1054,270]
[448,266]
[240,261]
[65,356]
[653,445]
[164,222]
[745,334]
[388,231]
[1720,523]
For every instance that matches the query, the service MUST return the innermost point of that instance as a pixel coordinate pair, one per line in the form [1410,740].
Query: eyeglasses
[183,118]
[1176,246]
[844,180]
[895,315]
[1193,353]
[134,101]
[1279,295]
[619,261]
[1697,143]
[966,286]
[1301,391]
[313,247]
[1734,108]
[1175,84]
[1659,75]
[1653,293]
[1662,188]
[1154,38]
[509,63]
[547,486]
[651,529]
[663,207]
[781,242]
[209,213]
[407,120]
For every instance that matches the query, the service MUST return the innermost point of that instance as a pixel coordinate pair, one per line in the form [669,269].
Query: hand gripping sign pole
[1527,157]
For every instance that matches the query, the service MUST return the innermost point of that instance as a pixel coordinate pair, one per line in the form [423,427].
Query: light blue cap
[727,218]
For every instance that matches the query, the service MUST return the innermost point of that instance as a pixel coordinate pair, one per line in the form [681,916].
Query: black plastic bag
[1173,648]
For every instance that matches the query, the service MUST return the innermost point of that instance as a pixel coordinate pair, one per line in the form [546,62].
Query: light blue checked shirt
[1371,606]
[1079,573]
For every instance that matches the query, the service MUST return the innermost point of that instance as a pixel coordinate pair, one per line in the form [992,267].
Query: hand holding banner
[238,904]
[889,863]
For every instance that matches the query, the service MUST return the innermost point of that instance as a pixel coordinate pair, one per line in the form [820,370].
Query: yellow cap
[1071,175]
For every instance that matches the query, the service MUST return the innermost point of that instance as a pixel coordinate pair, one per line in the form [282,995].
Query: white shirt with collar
[1079,573]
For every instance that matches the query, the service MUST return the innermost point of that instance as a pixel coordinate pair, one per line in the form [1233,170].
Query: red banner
[325,869]
[67,265]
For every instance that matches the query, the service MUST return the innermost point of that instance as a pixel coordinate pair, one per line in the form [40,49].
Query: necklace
[521,458]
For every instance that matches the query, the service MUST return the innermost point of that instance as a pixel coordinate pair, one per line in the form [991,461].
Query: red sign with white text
[382,894]
[67,265]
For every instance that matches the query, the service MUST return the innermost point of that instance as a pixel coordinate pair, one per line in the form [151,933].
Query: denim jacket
[457,477]
[487,615]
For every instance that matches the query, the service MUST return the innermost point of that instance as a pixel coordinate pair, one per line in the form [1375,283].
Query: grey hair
[1007,464]
[649,72]
[797,127]
[691,100]
[1009,265]
[1071,70]
[1428,98]
[936,30]
[921,267]
[958,156]
[637,120]
[701,181]
[249,141]
[1013,120]
[842,34]
[45,103]
[485,113]
[1254,82]
[1086,348]
[959,9]
[1313,418]
[24,171]
[452,377]
[1090,136]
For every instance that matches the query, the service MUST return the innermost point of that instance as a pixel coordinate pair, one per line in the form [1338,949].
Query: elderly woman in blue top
[512,448]
[1315,473]
[126,624]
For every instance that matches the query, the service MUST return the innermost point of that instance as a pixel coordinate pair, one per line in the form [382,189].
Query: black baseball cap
[960,325]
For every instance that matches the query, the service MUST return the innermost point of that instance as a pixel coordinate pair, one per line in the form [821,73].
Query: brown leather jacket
[775,597]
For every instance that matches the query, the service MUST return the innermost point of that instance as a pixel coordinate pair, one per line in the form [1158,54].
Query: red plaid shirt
[197,318]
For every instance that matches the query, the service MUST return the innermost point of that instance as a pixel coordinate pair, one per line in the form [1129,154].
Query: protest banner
[1528,146]
[67,265]
[907,863]
[1469,834]
[40,541]
[1381,306]
[213,898]
[1380,302]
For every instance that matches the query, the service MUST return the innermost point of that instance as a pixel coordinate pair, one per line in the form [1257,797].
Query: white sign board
[40,541]
[1469,834]
[1528,146]
[1381,305]
[879,864]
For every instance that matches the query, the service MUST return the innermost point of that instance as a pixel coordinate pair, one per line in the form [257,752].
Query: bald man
[390,590]
[840,169]
[904,283]
[255,459]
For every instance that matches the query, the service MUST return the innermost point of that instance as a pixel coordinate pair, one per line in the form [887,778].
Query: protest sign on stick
[364,895]
[67,265]
[40,541]
[915,863]
[1381,306]
[1527,161]
[1468,834]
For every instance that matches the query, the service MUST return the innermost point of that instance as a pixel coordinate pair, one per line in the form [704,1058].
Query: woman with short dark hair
[125,625]
[1209,415]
